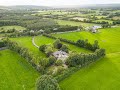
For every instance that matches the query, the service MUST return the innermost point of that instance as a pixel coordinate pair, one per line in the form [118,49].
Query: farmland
[105,36]
[107,69]
[68,48]
[15,72]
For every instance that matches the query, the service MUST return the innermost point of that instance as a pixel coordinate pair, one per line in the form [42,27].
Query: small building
[60,55]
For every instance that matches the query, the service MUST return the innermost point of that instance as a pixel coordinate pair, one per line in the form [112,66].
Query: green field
[15,72]
[27,43]
[73,23]
[40,40]
[12,27]
[102,75]
[108,38]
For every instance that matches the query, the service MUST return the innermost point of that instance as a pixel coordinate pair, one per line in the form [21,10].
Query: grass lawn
[11,27]
[15,72]
[73,23]
[40,40]
[103,74]
[27,43]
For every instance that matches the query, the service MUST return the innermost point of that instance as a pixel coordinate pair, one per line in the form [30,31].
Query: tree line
[84,59]
[79,43]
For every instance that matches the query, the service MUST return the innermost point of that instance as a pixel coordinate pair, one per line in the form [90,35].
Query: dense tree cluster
[116,22]
[47,82]
[106,25]
[83,59]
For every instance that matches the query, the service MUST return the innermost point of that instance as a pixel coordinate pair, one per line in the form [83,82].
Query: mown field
[27,43]
[15,72]
[102,75]
[12,27]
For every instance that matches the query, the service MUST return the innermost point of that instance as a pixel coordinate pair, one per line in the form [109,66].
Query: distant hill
[24,7]
[28,7]
[91,6]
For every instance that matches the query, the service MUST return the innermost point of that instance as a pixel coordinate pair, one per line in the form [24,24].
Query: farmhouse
[60,55]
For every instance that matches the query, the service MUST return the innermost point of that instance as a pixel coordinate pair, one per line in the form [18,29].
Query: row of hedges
[79,43]
[77,61]
[24,52]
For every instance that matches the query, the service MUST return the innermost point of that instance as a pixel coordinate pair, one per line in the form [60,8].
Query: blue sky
[56,2]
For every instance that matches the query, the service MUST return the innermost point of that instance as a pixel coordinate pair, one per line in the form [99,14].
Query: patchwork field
[102,75]
[15,72]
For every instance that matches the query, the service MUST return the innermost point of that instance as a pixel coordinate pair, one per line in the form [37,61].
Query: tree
[57,44]
[42,48]
[52,60]
[64,48]
[47,82]
[49,50]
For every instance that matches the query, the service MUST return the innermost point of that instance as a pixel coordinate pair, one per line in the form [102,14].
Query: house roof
[60,54]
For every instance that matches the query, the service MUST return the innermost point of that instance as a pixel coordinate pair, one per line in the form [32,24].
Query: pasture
[15,72]
[102,75]
[108,38]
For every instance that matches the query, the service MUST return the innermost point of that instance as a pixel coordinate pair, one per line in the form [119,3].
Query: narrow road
[33,42]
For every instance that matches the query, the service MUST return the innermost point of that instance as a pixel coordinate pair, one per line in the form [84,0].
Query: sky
[55,2]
